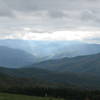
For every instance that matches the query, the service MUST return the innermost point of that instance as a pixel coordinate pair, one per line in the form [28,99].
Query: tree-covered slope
[31,76]
[83,64]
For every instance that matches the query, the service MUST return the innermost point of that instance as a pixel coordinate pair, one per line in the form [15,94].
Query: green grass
[6,96]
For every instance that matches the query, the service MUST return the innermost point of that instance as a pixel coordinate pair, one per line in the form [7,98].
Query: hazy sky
[50,19]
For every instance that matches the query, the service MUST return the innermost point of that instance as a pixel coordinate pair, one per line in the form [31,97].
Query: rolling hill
[15,58]
[82,64]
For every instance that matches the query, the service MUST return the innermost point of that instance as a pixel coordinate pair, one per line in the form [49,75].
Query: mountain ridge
[88,64]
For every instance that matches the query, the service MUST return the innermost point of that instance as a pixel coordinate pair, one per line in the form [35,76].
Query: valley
[64,77]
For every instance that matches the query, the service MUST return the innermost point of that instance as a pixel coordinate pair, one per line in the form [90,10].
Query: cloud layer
[50,19]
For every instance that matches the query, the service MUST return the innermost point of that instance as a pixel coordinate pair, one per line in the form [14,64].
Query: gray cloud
[43,16]
[55,8]
[56,14]
[5,10]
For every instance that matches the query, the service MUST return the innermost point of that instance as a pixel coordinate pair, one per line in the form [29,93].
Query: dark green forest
[42,88]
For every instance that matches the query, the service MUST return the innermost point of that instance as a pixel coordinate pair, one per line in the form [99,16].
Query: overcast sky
[50,19]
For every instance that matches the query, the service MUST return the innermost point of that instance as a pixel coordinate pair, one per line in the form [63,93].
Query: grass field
[6,96]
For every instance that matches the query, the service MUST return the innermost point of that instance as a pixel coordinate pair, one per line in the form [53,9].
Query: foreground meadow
[6,96]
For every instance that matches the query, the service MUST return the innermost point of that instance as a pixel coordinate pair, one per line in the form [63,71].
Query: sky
[50,20]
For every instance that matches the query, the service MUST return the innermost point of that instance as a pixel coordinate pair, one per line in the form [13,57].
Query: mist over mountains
[19,53]
[45,50]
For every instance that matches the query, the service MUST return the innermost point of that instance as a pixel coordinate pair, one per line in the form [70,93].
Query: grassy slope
[5,96]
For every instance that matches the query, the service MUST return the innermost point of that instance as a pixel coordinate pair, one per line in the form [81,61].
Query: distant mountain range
[45,50]
[63,55]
